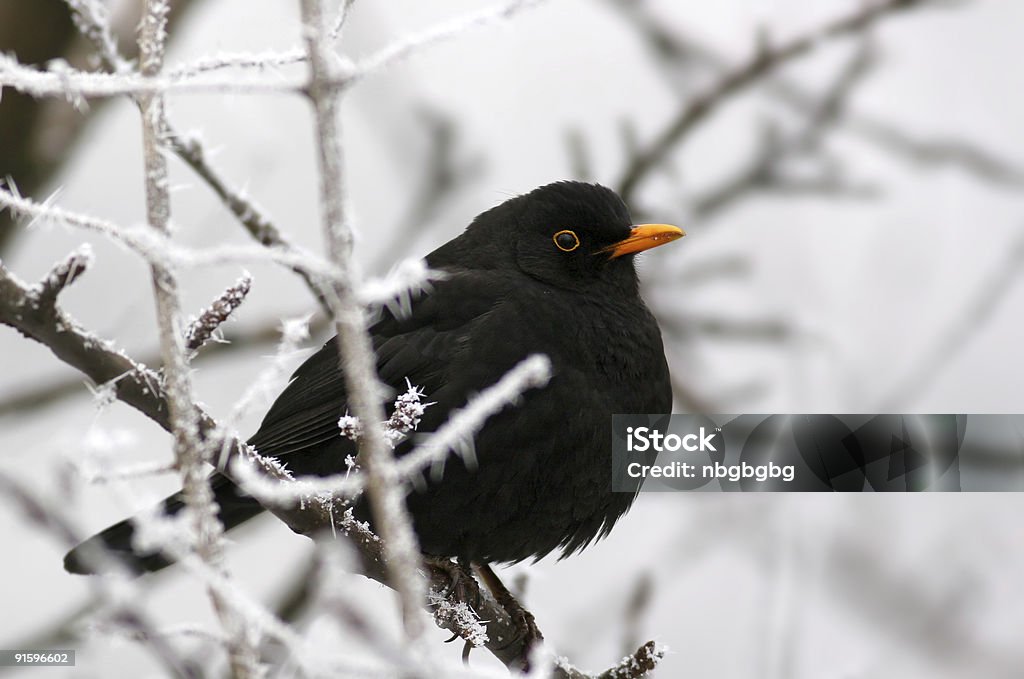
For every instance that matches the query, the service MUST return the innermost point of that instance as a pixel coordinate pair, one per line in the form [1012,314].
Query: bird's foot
[460,586]
[527,632]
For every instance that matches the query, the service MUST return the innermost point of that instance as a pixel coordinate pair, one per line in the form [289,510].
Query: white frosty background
[773,586]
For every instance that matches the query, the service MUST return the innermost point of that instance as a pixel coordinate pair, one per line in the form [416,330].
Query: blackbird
[548,272]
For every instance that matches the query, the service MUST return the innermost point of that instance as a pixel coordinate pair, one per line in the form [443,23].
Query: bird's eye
[566,241]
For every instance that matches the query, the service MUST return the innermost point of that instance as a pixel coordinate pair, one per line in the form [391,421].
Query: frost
[204,327]
[397,289]
[404,419]
[460,616]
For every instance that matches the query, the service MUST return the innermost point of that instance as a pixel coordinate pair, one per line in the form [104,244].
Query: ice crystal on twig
[201,329]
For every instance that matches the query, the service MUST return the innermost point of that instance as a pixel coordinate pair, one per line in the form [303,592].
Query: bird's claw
[527,631]
[461,585]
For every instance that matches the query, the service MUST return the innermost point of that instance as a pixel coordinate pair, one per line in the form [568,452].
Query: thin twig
[683,52]
[765,59]
[92,23]
[207,530]
[118,594]
[156,246]
[763,172]
[401,49]
[202,329]
[259,226]
[391,517]
[63,274]
[455,435]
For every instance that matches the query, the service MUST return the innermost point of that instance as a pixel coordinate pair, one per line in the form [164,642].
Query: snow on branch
[62,81]
[156,247]
[404,418]
[260,61]
[455,435]
[63,274]
[205,530]
[636,666]
[313,661]
[405,47]
[92,21]
[355,350]
[207,74]
[396,290]
[201,329]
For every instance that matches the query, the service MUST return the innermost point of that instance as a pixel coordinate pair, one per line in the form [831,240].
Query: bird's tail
[115,542]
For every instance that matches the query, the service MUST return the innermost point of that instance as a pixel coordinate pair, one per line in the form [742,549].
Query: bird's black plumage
[545,272]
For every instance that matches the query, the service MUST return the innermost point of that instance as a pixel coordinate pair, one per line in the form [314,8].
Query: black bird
[548,272]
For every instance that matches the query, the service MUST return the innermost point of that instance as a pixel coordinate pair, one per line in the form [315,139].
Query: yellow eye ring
[563,243]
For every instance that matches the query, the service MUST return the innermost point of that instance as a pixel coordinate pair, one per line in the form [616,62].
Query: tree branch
[207,530]
[765,59]
[401,546]
[681,52]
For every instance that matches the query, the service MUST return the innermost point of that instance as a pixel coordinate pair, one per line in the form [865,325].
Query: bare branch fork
[765,59]
[681,52]
[90,18]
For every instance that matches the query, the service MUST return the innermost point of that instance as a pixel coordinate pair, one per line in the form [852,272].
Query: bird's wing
[420,347]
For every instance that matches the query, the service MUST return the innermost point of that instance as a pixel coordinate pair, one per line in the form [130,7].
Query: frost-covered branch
[191,152]
[63,274]
[455,435]
[92,22]
[355,350]
[201,509]
[396,290]
[47,324]
[157,247]
[765,59]
[678,52]
[240,60]
[205,75]
[117,596]
[405,47]
[202,329]
[64,82]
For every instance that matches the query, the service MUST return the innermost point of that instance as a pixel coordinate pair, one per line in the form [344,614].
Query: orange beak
[644,237]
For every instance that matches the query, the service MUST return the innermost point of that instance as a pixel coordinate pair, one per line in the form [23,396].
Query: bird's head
[569,234]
